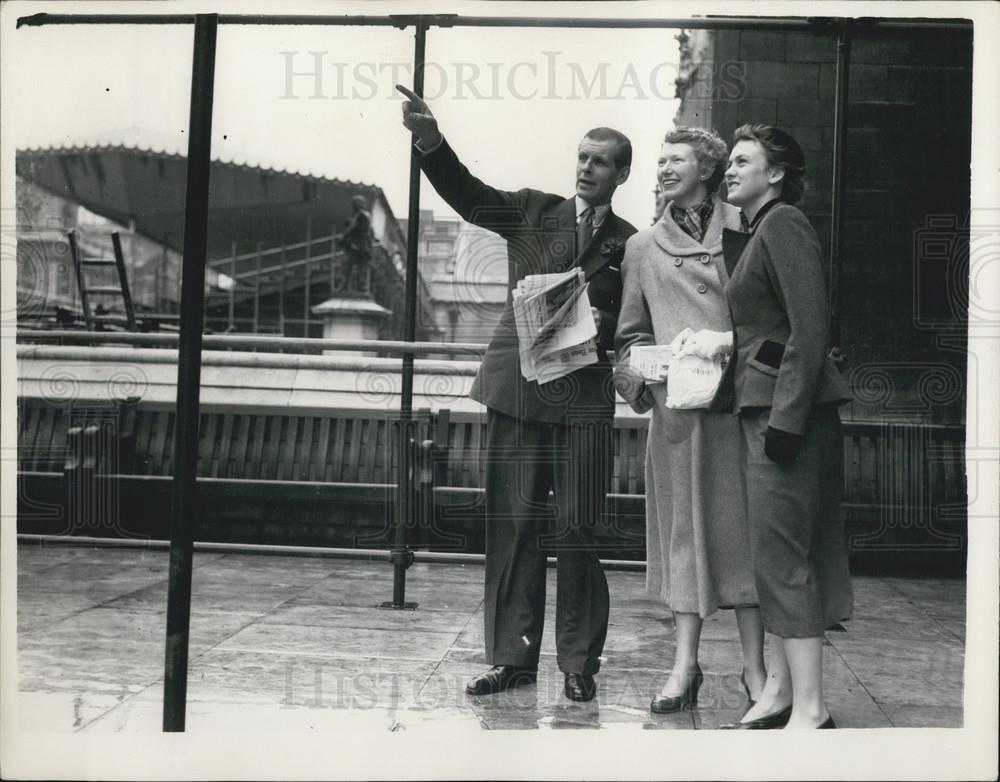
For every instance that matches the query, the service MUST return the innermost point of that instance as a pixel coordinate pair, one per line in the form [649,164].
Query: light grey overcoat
[697,544]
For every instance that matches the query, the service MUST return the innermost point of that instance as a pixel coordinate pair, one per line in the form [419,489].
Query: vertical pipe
[256,294]
[281,293]
[308,293]
[131,253]
[162,276]
[81,283]
[231,304]
[333,259]
[123,280]
[184,508]
[404,504]
[837,201]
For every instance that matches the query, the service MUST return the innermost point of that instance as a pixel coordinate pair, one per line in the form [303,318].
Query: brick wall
[903,254]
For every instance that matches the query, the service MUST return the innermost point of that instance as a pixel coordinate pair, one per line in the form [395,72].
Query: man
[555,436]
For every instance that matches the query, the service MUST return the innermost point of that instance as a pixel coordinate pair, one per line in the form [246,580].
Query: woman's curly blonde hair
[709,148]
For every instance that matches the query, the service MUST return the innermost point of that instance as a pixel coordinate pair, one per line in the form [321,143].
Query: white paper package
[698,363]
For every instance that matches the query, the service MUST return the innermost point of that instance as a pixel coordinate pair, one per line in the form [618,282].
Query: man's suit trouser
[525,460]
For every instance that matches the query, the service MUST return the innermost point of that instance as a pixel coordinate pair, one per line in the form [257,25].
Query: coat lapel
[733,244]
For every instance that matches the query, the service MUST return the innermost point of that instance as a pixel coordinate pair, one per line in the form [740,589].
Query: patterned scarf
[694,220]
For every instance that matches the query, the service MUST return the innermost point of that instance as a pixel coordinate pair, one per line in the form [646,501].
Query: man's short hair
[623,155]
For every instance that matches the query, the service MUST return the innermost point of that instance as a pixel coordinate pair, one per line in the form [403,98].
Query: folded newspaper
[555,328]
[651,361]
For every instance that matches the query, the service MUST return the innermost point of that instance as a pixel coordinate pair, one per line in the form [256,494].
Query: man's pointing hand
[418,119]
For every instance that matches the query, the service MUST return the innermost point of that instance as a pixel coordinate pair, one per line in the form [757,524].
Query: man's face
[597,174]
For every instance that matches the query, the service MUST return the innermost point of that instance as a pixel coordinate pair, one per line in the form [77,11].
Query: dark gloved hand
[838,357]
[632,388]
[781,447]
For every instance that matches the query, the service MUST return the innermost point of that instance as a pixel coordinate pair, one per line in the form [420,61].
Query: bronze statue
[356,241]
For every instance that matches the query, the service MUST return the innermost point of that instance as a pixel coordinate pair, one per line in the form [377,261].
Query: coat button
[678,261]
[705,259]
[702,288]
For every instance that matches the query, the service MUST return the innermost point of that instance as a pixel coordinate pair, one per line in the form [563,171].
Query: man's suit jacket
[540,229]
[777,297]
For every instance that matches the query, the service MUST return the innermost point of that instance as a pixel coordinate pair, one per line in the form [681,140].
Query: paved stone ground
[297,642]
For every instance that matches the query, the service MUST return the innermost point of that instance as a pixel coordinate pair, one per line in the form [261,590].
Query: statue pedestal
[352,319]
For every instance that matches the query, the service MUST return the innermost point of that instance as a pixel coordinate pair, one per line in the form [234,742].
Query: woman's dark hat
[793,152]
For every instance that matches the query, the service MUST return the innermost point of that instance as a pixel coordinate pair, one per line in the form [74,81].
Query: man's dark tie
[584,229]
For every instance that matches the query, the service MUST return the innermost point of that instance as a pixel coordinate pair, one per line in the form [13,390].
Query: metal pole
[281,294]
[839,163]
[312,552]
[123,280]
[401,555]
[185,499]
[231,303]
[303,345]
[333,260]
[402,21]
[308,292]
[256,294]
[412,239]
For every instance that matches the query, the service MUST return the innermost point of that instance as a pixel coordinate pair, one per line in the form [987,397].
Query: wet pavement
[299,643]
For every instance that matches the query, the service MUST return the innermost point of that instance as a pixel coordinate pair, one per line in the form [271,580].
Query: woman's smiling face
[679,174]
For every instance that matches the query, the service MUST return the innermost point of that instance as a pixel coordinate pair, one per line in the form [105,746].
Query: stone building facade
[903,292]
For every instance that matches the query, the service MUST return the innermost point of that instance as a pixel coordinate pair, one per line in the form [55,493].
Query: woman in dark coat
[786,390]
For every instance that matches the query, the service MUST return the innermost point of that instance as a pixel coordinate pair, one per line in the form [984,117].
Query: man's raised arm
[419,120]
[474,200]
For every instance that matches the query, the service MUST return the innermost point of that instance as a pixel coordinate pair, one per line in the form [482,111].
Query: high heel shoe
[668,704]
[829,723]
[768,722]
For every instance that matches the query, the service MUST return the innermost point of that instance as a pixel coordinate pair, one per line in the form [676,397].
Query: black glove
[838,357]
[781,447]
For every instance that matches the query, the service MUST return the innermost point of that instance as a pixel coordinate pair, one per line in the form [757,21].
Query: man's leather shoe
[500,678]
[769,722]
[580,686]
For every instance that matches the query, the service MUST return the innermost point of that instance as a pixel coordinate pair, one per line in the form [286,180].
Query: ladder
[92,319]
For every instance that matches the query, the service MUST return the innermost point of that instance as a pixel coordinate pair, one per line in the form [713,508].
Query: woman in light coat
[697,545]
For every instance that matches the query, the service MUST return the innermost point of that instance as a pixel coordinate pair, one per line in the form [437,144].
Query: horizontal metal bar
[229,341]
[431,557]
[453,20]
[297,361]
[106,290]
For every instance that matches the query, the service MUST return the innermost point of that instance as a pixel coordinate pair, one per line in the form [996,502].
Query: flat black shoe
[668,704]
[580,686]
[500,678]
[829,723]
[768,722]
